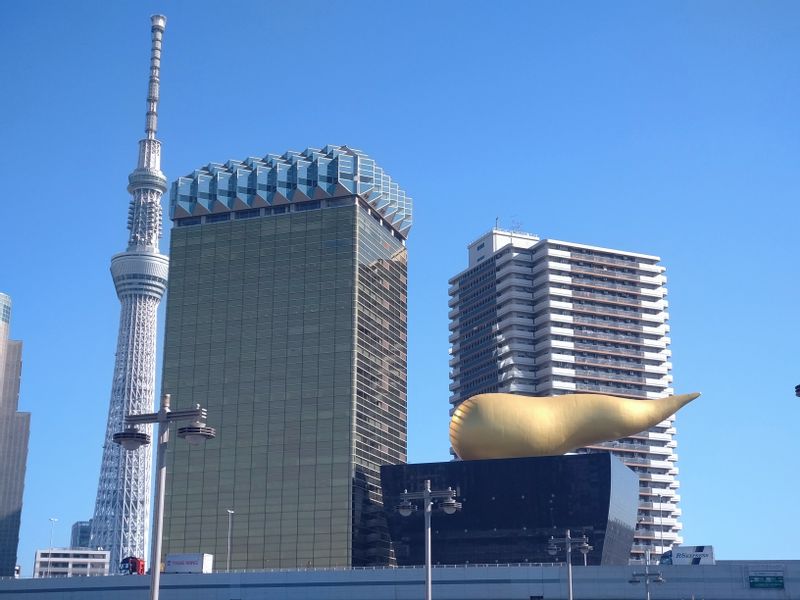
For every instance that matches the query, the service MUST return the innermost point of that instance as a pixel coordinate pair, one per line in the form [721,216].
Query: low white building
[70,562]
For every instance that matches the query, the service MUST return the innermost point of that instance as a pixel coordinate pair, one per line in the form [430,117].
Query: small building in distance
[70,562]
[81,534]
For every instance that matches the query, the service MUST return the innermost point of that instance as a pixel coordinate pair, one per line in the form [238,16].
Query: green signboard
[766,581]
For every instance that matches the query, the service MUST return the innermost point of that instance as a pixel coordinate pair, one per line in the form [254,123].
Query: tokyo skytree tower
[122,509]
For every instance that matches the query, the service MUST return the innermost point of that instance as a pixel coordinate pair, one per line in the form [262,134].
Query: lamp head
[405,508]
[197,433]
[450,506]
[131,439]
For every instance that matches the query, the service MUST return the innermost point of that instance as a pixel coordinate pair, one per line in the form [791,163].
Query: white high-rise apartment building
[546,317]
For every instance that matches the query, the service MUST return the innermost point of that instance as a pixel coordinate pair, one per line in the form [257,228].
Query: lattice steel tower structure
[122,509]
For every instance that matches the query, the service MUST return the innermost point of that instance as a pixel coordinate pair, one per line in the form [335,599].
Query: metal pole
[660,527]
[647,575]
[53,521]
[428,509]
[230,522]
[158,517]
[568,540]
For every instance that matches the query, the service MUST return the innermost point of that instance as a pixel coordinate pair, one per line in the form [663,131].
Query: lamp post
[230,523]
[585,549]
[53,521]
[646,576]
[582,545]
[448,505]
[132,439]
[660,527]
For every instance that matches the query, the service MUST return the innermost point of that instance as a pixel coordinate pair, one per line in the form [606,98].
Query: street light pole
[647,576]
[230,522]
[132,439]
[53,521]
[161,480]
[448,506]
[660,527]
[582,545]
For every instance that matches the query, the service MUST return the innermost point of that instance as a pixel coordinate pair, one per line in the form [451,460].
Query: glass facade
[290,328]
[14,433]
[511,507]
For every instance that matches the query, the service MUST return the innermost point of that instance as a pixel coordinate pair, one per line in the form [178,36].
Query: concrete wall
[727,580]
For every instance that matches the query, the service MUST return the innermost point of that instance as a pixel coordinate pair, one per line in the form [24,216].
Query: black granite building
[511,508]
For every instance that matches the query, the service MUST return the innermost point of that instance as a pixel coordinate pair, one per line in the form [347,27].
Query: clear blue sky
[662,127]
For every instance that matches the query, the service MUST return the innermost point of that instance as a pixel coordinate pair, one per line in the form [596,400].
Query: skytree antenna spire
[122,509]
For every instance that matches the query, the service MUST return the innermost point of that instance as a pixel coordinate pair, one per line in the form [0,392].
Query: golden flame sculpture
[511,425]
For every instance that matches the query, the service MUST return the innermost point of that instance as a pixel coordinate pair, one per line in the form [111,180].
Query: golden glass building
[286,318]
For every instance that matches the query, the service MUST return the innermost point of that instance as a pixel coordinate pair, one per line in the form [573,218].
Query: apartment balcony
[656,521]
[656,477]
[513,267]
[598,335]
[596,284]
[510,321]
[659,330]
[580,345]
[621,447]
[658,279]
[514,294]
[653,304]
[658,292]
[610,377]
[608,299]
[604,310]
[659,355]
[661,369]
[608,389]
[645,462]
[521,388]
[608,273]
[568,386]
[514,305]
[660,343]
[596,361]
[604,260]
[516,361]
[659,317]
[620,326]
[663,492]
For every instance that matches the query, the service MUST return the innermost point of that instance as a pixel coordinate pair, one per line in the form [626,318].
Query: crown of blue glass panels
[313,174]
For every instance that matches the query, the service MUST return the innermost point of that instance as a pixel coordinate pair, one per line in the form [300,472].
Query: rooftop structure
[290,178]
